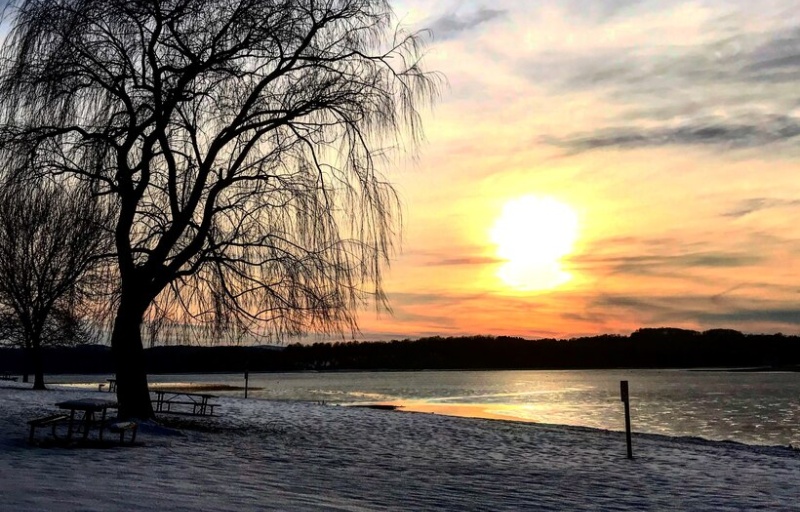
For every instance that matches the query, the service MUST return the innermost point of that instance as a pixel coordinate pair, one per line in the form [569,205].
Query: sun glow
[532,235]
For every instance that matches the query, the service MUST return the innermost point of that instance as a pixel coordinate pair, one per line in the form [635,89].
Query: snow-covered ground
[262,455]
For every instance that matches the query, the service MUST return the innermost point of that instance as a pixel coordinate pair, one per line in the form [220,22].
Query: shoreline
[438,409]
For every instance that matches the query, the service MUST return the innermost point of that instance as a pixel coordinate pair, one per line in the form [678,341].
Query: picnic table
[195,404]
[89,409]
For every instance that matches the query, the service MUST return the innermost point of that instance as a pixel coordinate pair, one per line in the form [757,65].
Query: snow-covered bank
[263,455]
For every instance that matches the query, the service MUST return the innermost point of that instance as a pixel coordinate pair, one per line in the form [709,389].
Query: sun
[532,235]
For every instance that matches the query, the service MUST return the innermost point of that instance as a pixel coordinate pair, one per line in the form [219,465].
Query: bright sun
[532,234]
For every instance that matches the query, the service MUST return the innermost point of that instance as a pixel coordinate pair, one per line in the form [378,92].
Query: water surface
[749,407]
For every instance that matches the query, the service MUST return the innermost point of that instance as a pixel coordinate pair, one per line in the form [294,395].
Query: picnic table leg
[71,425]
[102,424]
[88,417]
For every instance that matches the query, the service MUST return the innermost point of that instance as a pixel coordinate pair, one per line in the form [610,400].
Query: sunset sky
[668,131]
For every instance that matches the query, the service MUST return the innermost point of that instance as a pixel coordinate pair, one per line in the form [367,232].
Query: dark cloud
[779,315]
[648,310]
[696,310]
[757,204]
[453,23]
[716,132]
[777,60]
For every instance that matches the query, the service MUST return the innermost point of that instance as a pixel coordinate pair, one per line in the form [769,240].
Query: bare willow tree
[52,239]
[241,141]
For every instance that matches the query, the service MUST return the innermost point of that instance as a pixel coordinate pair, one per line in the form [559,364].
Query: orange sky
[670,128]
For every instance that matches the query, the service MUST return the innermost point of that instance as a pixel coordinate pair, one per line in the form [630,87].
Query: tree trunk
[128,353]
[38,366]
[26,364]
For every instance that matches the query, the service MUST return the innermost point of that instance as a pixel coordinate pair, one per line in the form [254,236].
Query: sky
[669,133]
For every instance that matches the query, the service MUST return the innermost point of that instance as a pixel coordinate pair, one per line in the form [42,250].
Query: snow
[268,455]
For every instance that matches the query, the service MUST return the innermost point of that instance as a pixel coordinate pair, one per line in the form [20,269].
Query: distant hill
[645,348]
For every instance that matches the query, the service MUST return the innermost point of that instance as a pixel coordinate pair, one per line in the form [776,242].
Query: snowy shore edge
[265,455]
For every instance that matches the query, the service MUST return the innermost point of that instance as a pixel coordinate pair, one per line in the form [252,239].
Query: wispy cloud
[466,260]
[757,204]
[453,23]
[663,265]
[727,89]
[753,132]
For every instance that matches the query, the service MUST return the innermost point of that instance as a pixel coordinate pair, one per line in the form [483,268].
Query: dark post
[623,390]
[246,379]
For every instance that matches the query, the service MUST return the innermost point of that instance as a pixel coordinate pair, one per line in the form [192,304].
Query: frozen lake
[749,407]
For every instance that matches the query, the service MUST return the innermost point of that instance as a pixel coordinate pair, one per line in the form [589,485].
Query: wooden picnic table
[87,420]
[198,402]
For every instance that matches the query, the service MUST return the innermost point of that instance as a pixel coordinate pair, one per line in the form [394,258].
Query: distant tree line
[645,348]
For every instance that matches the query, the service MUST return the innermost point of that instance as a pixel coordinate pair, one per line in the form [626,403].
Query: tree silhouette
[51,240]
[240,140]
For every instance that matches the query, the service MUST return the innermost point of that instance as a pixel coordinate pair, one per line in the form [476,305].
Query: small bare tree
[240,140]
[51,239]
[65,327]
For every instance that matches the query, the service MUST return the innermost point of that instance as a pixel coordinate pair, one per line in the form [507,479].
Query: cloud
[751,133]
[777,60]
[758,204]
[601,11]
[453,23]
[698,311]
[469,260]
[647,69]
[778,315]
[731,88]
[677,265]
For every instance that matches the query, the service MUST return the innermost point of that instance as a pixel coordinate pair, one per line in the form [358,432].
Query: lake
[749,407]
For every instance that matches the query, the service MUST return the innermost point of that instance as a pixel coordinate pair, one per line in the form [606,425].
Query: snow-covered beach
[267,455]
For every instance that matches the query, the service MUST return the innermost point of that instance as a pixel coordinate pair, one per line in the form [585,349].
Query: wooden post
[246,381]
[623,390]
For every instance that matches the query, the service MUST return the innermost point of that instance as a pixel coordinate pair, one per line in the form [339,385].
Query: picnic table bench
[53,421]
[120,427]
[174,402]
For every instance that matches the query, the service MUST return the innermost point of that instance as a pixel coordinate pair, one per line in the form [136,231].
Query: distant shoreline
[662,348]
[755,369]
